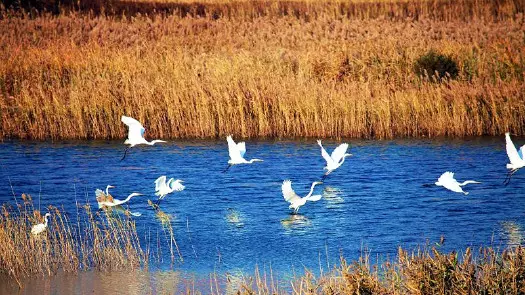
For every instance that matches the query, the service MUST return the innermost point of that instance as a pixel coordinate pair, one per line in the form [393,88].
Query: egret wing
[233,149]
[512,152]
[100,194]
[314,198]
[241,146]
[136,130]
[446,177]
[339,152]
[521,152]
[177,186]
[160,183]
[288,193]
[325,155]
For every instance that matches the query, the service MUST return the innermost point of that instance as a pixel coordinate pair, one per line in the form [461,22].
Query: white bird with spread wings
[336,159]
[163,187]
[448,181]
[236,152]
[106,201]
[517,158]
[296,201]
[135,134]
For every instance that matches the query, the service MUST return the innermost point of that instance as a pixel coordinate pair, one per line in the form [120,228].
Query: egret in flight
[38,228]
[517,158]
[295,201]
[237,151]
[163,187]
[107,201]
[448,181]
[336,159]
[135,134]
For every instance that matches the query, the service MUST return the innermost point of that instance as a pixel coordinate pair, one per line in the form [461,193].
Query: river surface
[381,198]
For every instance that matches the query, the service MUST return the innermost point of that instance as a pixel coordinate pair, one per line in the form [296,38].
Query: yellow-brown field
[263,69]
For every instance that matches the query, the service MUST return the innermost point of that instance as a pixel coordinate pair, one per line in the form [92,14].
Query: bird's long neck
[467,182]
[311,190]
[128,198]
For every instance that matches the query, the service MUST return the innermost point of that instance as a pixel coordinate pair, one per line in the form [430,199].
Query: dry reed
[103,241]
[324,69]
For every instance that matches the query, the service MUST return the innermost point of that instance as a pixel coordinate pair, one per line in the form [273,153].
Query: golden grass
[100,240]
[310,70]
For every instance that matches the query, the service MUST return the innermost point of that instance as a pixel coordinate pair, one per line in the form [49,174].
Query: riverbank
[294,69]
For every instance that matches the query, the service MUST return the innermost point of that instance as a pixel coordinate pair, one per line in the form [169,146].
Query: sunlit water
[233,221]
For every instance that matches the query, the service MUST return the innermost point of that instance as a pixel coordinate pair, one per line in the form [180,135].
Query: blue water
[233,221]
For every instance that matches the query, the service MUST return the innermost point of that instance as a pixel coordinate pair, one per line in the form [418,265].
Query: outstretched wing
[242,148]
[233,149]
[339,152]
[314,198]
[136,130]
[446,177]
[325,155]
[288,193]
[100,194]
[160,182]
[512,152]
[521,152]
[176,185]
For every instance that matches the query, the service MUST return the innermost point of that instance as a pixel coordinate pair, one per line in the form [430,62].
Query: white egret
[336,159]
[163,187]
[107,189]
[447,180]
[107,201]
[38,228]
[296,201]
[517,159]
[237,151]
[135,134]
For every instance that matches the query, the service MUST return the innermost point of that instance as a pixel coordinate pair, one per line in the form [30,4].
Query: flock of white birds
[237,151]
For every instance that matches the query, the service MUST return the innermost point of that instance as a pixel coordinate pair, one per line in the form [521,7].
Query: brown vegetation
[101,240]
[264,69]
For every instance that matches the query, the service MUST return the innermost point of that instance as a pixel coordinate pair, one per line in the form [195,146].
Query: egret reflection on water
[296,221]
[512,232]
[235,218]
[333,195]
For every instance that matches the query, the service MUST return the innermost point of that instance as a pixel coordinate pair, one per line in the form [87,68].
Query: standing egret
[296,201]
[237,151]
[517,159]
[335,160]
[135,134]
[163,187]
[38,228]
[448,181]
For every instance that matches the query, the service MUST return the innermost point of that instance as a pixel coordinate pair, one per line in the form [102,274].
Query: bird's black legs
[509,175]
[226,168]
[125,152]
[324,177]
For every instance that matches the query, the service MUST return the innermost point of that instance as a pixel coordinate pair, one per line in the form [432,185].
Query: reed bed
[103,241]
[425,271]
[322,71]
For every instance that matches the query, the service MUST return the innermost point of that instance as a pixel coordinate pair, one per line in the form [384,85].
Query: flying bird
[516,158]
[163,187]
[38,228]
[107,201]
[336,159]
[296,201]
[237,151]
[135,134]
[448,181]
